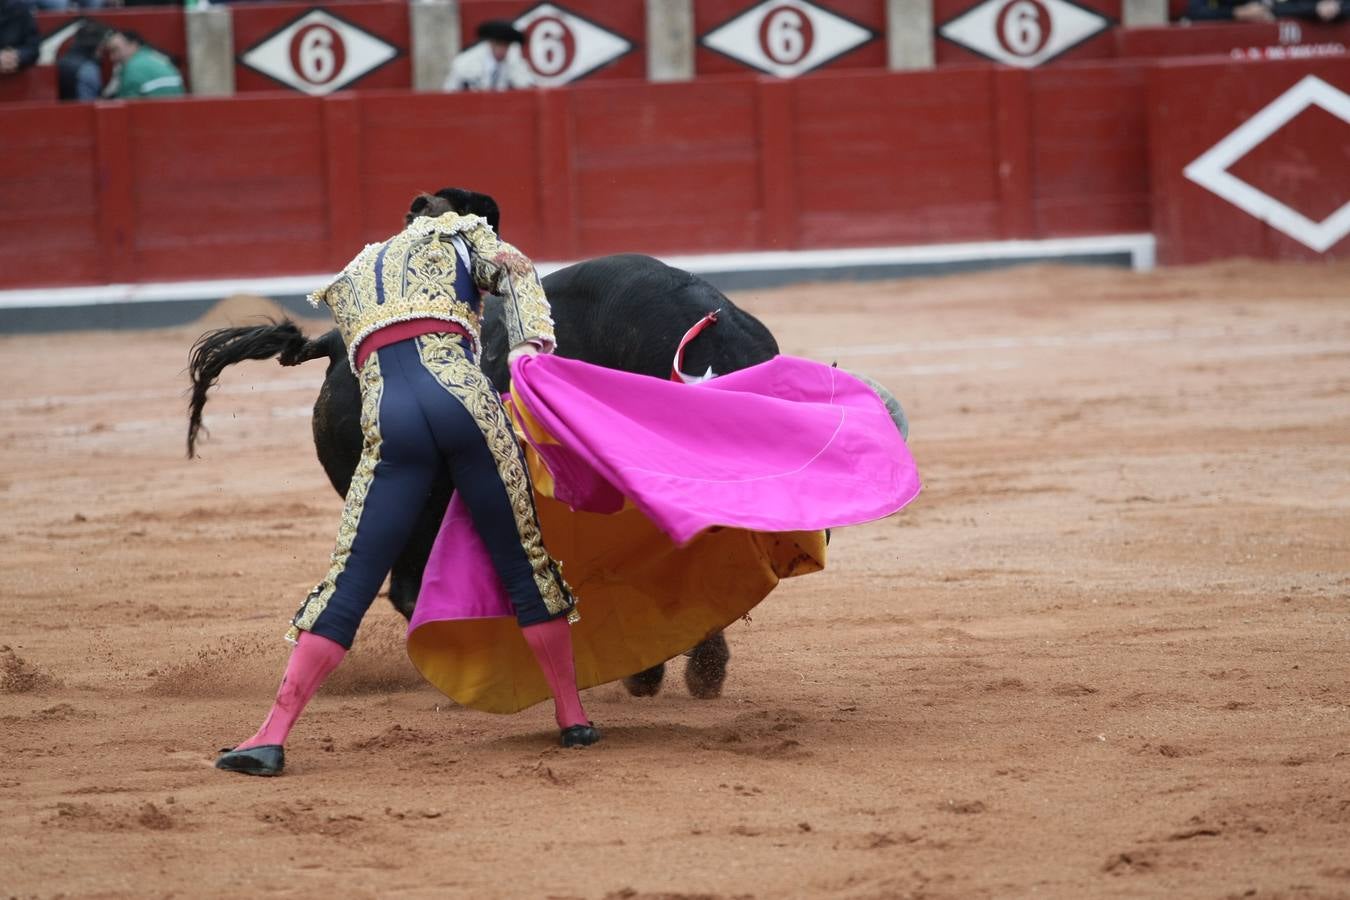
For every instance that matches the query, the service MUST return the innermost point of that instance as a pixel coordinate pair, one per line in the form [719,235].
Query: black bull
[624,312]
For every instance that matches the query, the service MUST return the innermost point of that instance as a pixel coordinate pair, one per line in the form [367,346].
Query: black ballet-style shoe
[580,735]
[268,759]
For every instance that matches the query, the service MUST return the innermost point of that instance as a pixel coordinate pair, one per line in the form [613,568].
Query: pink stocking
[551,642]
[311,661]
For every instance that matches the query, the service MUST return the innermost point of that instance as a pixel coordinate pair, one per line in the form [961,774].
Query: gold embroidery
[372,389]
[444,358]
[412,276]
[508,273]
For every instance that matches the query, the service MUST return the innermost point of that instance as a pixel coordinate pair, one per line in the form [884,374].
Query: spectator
[18,37]
[142,71]
[495,63]
[1266,10]
[78,73]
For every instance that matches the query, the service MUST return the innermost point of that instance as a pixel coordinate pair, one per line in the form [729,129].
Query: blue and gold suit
[426,407]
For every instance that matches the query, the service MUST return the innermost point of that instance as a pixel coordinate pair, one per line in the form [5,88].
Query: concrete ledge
[115,306]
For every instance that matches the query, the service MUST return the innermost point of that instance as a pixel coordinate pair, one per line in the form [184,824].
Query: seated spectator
[495,63]
[141,71]
[18,37]
[1266,10]
[78,73]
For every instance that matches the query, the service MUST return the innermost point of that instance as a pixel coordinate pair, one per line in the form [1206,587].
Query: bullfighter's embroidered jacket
[412,276]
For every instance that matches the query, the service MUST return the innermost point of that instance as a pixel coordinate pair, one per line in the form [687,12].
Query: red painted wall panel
[411,143]
[282,184]
[883,158]
[628,20]
[254,24]
[227,187]
[669,167]
[49,196]
[1089,149]
[34,84]
[1303,164]
[712,14]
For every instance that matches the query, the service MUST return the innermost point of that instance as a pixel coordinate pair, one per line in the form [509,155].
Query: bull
[624,312]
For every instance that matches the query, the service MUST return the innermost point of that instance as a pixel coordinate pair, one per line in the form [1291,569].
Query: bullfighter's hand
[524,349]
[1253,12]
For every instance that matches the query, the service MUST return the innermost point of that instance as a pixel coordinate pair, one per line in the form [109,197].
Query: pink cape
[775,452]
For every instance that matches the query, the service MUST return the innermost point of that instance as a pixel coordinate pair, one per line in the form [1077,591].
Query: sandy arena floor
[1105,654]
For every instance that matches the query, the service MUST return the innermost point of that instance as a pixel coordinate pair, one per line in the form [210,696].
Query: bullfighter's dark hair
[426,205]
[453,199]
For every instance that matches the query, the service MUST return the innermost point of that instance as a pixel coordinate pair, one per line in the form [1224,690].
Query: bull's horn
[892,405]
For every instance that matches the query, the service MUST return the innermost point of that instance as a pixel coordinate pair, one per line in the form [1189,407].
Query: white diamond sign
[52,43]
[561,46]
[786,37]
[1210,169]
[1023,33]
[318,53]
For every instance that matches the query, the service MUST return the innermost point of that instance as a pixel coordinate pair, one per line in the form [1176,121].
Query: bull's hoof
[707,668]
[403,594]
[646,683]
[269,759]
[580,735]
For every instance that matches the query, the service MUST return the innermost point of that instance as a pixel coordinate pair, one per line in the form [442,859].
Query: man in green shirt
[142,71]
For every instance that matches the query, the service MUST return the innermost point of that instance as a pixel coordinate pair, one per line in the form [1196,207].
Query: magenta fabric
[787,445]
[459,581]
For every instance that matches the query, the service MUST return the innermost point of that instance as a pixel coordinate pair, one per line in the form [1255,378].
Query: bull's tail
[216,350]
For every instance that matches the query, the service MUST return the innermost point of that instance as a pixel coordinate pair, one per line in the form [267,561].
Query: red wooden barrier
[1089,149]
[681,171]
[49,199]
[35,83]
[420,142]
[291,184]
[228,186]
[1287,39]
[1264,173]
[882,159]
[788,39]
